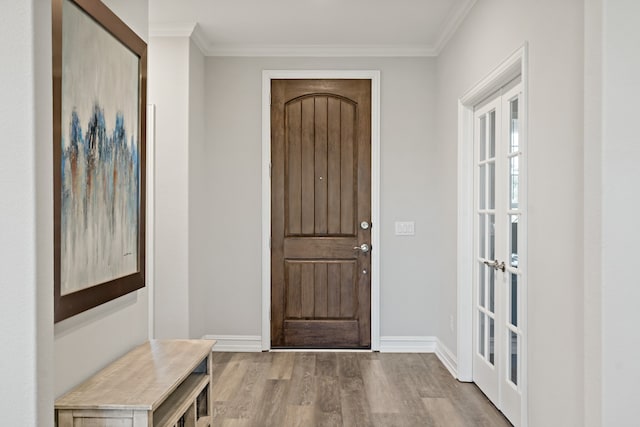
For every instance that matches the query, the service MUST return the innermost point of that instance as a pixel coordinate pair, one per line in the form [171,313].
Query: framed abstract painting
[99,124]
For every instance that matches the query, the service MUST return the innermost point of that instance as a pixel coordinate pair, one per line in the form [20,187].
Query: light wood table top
[140,380]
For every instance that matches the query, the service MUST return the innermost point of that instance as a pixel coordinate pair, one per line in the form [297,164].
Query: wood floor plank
[443,413]
[281,366]
[299,416]
[405,375]
[344,389]
[355,408]
[221,357]
[475,408]
[232,422]
[229,381]
[381,394]
[272,408]
[435,382]
[423,382]
[219,413]
[348,365]
[326,364]
[219,361]
[302,391]
[328,408]
[399,420]
[250,393]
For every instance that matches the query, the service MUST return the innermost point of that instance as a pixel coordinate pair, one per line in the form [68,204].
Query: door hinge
[270,166]
[269,242]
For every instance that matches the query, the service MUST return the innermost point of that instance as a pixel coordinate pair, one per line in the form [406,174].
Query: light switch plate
[405,228]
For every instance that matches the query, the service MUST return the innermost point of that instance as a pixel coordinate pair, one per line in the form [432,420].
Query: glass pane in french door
[491,231]
[513,240]
[513,357]
[486,247]
[514,143]
[513,300]
[483,138]
[491,188]
[486,313]
[492,134]
[482,295]
[514,181]
[482,176]
[492,335]
[513,333]
[481,333]
[492,290]
[482,237]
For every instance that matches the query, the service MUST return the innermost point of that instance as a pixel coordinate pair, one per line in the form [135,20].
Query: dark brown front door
[320,213]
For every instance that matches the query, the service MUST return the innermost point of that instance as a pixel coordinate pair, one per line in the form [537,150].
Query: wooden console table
[158,384]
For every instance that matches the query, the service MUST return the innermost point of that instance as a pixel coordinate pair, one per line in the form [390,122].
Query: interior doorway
[498,275]
[492,231]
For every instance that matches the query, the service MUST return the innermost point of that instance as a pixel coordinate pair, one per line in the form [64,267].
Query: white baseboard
[388,344]
[447,358]
[408,344]
[412,344]
[239,343]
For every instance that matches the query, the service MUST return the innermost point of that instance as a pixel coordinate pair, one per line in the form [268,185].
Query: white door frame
[374,76]
[513,66]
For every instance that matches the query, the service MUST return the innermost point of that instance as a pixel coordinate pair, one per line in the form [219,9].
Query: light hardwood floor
[343,389]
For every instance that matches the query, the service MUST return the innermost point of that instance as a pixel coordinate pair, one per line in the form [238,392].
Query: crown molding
[452,24]
[321,50]
[200,39]
[185,29]
[180,29]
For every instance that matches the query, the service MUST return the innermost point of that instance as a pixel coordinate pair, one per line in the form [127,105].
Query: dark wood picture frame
[85,298]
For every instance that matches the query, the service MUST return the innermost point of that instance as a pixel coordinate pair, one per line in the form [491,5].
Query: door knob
[365,225]
[496,265]
[364,248]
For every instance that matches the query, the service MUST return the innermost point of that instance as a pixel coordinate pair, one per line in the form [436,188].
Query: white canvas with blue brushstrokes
[100,159]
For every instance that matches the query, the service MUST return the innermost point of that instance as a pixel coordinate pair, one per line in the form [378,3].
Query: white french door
[499,236]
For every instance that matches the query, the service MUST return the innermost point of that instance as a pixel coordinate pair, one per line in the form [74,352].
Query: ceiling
[311,27]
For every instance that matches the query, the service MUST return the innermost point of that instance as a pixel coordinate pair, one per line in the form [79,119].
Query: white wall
[135,13]
[90,340]
[169,91]
[411,271]
[87,342]
[491,32]
[620,231]
[198,210]
[593,213]
[176,87]
[44,213]
[19,256]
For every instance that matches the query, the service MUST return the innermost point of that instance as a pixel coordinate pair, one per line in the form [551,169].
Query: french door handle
[496,265]
[364,248]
